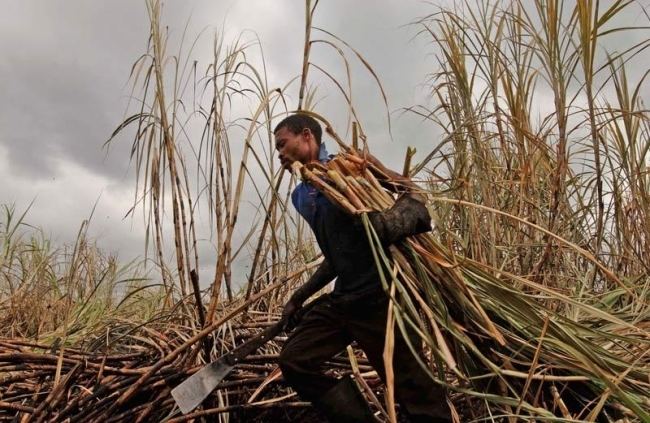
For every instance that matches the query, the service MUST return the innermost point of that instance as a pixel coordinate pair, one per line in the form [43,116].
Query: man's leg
[317,338]
[423,399]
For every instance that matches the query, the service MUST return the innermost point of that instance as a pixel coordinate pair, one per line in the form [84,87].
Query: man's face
[293,147]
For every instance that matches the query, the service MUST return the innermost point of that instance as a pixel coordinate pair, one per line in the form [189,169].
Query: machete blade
[189,394]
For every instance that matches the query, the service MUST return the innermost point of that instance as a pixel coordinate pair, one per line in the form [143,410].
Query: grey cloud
[64,76]
[63,64]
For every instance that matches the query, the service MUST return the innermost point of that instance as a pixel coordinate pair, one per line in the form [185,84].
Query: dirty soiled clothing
[355,311]
[342,239]
[329,326]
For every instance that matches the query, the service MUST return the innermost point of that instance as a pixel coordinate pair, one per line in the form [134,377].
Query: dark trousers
[329,326]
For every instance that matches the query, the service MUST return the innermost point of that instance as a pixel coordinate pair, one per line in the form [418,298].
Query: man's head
[297,138]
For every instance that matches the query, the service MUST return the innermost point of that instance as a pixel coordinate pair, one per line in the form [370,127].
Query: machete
[191,392]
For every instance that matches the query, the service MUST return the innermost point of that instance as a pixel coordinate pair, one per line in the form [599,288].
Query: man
[356,309]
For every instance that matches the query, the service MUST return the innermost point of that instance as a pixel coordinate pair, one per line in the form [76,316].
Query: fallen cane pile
[127,373]
[38,383]
[41,384]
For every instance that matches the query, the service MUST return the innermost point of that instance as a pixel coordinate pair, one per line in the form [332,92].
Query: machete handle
[249,347]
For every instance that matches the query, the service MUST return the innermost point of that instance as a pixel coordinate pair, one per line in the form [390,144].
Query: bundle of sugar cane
[493,337]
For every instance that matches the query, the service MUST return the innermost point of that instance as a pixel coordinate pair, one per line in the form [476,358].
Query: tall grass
[68,293]
[540,183]
[541,176]
[542,125]
[528,184]
[204,148]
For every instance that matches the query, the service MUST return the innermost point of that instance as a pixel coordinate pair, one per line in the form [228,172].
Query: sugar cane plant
[529,295]
[480,326]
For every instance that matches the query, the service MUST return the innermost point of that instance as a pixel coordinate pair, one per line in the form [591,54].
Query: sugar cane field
[520,126]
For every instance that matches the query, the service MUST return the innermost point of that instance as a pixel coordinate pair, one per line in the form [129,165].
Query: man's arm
[321,277]
[408,216]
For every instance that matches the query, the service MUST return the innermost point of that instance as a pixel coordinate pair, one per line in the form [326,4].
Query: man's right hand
[318,280]
[407,217]
[290,313]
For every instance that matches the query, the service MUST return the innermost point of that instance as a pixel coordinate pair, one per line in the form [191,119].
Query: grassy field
[538,188]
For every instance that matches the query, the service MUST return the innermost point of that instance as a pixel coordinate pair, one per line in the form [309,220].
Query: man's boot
[343,403]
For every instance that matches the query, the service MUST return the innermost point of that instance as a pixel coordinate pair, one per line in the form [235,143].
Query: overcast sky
[64,82]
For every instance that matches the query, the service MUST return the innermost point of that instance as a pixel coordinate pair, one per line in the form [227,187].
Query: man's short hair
[298,122]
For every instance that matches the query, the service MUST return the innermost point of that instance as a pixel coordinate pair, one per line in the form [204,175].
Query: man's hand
[321,277]
[407,217]
[290,313]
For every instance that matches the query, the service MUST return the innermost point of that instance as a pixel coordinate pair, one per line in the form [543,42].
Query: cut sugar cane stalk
[460,303]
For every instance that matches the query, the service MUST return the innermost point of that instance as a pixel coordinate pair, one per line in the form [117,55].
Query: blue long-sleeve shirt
[341,237]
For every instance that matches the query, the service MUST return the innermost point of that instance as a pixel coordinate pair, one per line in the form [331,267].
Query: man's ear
[306,133]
